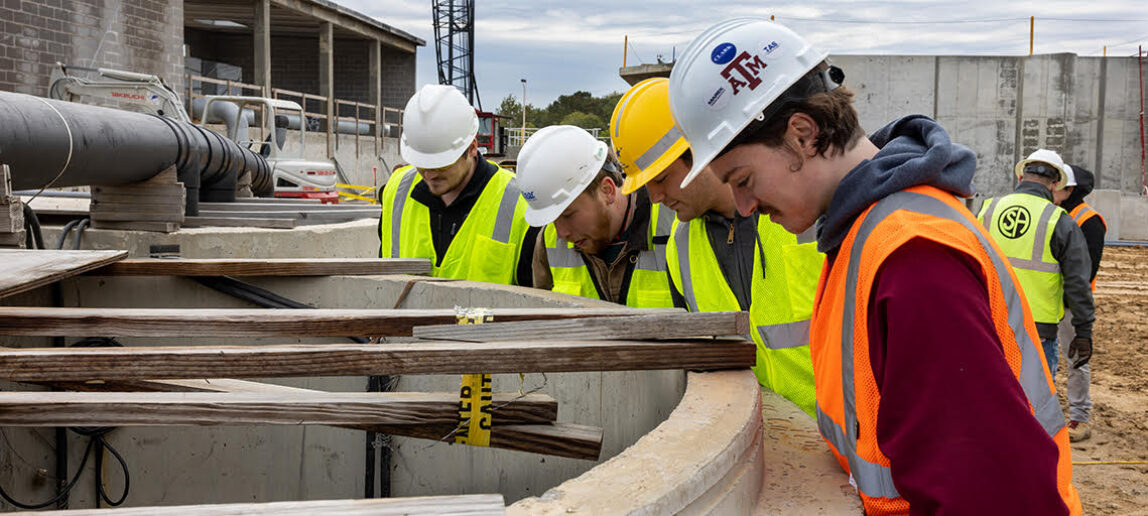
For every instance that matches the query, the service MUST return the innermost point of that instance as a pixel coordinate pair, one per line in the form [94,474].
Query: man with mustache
[597,242]
[720,260]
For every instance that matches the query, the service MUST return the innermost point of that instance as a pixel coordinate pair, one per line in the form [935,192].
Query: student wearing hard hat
[1047,250]
[931,389]
[1093,227]
[718,259]
[450,205]
[597,242]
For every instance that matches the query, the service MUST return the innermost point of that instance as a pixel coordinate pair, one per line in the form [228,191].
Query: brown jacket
[609,278]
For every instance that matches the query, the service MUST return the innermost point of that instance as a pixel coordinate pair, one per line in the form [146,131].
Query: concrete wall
[232,464]
[1004,107]
[141,35]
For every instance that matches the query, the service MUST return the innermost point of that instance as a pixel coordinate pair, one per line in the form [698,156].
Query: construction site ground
[1119,389]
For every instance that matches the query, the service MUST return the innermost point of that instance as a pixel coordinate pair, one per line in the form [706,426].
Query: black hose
[34,237]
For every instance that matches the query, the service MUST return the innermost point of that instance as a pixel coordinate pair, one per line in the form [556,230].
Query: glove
[1081,348]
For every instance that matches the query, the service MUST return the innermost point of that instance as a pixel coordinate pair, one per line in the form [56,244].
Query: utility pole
[522,141]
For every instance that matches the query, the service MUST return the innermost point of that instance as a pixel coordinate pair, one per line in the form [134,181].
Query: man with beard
[597,242]
[451,206]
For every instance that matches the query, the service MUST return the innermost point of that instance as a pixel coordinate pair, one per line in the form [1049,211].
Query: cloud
[562,47]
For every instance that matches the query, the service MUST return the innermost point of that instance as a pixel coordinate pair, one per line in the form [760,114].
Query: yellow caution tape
[357,197]
[475,395]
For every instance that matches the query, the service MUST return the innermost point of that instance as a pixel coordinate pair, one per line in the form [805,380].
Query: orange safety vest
[847,395]
[1081,213]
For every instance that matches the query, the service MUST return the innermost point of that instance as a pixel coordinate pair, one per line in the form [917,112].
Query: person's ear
[608,189]
[802,133]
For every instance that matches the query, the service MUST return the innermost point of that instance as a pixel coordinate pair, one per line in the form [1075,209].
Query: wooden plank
[156,227]
[300,360]
[128,215]
[266,267]
[657,326]
[101,208]
[256,322]
[60,206]
[234,408]
[235,222]
[457,505]
[557,439]
[172,195]
[25,270]
[316,214]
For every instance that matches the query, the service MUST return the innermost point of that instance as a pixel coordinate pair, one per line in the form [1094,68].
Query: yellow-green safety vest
[1022,225]
[486,247]
[648,288]
[784,282]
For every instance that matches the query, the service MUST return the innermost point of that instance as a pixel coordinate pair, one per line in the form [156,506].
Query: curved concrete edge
[705,458]
[801,475]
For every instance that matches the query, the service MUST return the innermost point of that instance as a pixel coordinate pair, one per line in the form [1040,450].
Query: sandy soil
[1119,389]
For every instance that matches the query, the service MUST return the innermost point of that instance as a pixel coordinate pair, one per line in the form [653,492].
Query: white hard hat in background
[728,76]
[554,166]
[1071,174]
[438,126]
[1052,159]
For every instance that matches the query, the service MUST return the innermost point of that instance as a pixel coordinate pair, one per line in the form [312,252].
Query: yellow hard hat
[643,134]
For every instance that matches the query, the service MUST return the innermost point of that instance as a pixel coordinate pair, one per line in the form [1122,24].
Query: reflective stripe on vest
[1082,212]
[873,479]
[494,220]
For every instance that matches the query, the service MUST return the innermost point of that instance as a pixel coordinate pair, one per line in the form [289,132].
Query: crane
[454,50]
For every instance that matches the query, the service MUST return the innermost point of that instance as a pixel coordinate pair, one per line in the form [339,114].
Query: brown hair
[832,111]
[611,169]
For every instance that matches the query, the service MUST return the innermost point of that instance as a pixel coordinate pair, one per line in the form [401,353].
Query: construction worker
[450,205]
[931,391]
[1094,228]
[718,259]
[597,242]
[1047,250]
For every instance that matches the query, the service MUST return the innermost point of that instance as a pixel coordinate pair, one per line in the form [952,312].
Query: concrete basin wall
[189,465]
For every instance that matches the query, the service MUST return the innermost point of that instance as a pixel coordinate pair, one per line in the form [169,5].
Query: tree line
[579,108]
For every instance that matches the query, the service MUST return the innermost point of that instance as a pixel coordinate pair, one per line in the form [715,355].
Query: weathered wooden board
[458,505]
[656,326]
[71,364]
[270,408]
[557,439]
[257,322]
[267,267]
[24,270]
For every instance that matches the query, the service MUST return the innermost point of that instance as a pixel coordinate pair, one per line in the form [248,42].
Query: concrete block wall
[1004,107]
[143,36]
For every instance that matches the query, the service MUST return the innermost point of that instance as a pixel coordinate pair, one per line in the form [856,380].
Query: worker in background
[451,206]
[1094,228]
[597,242]
[718,259]
[930,387]
[1048,252]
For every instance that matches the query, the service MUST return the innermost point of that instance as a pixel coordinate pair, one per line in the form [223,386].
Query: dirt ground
[1119,389]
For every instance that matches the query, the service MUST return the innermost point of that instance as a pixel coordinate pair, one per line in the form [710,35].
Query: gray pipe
[48,142]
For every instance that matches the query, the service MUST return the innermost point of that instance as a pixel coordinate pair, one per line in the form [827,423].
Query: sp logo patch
[1014,222]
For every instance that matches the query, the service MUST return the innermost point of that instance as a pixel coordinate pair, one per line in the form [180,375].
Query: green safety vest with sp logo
[1022,225]
[784,283]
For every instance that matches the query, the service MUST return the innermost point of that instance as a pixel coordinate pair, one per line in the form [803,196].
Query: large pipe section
[53,143]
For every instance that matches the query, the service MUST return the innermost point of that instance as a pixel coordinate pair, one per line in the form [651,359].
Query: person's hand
[1081,348]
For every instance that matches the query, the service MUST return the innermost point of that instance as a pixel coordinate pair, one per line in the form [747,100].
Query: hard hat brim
[431,160]
[1019,171]
[541,217]
[633,182]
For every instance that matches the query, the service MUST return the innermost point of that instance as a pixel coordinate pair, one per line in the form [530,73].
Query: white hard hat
[554,166]
[1071,174]
[438,126]
[728,75]
[1052,159]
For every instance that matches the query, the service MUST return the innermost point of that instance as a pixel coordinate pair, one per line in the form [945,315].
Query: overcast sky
[563,47]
